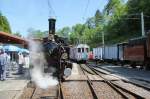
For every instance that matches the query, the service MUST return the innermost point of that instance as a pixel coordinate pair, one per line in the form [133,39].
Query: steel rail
[60,95]
[136,84]
[111,85]
[33,93]
[90,84]
[116,87]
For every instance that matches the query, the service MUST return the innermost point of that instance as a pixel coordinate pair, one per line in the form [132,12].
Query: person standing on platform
[26,66]
[1,71]
[8,64]
[21,63]
[3,63]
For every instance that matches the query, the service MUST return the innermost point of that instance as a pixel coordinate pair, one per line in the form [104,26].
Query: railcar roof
[82,46]
[138,40]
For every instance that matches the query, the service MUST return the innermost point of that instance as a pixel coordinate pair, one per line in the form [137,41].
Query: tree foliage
[4,24]
[119,21]
[136,7]
[64,32]
[17,34]
[38,34]
[98,18]
[89,33]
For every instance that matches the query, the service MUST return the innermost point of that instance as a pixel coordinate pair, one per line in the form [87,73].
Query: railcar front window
[82,49]
[87,50]
[79,50]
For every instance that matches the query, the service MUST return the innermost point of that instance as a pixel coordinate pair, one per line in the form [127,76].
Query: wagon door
[148,47]
[135,51]
[120,52]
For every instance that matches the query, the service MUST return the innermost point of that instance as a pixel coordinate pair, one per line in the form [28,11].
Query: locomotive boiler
[56,52]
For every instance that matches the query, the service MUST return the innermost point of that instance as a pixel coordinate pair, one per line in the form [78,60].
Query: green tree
[17,34]
[135,7]
[91,22]
[64,32]
[116,26]
[38,34]
[119,21]
[98,18]
[4,24]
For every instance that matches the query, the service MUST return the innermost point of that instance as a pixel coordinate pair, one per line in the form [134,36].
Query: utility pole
[103,43]
[142,24]
[103,39]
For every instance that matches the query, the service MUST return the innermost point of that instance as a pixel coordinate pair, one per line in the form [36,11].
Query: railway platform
[85,82]
[13,86]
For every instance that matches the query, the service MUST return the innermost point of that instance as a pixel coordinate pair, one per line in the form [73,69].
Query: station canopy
[11,48]
[6,38]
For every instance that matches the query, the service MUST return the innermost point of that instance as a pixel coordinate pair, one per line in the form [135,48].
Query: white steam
[38,61]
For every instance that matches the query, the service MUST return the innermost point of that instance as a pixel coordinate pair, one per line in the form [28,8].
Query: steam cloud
[38,62]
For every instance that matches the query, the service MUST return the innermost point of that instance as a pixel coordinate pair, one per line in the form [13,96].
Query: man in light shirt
[26,66]
[21,63]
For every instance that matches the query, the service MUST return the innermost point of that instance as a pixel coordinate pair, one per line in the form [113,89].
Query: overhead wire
[86,8]
[84,15]
[129,17]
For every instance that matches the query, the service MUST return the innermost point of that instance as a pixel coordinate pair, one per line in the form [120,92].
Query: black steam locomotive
[56,51]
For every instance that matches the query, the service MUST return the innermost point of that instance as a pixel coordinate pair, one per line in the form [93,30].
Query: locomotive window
[79,50]
[87,50]
[82,49]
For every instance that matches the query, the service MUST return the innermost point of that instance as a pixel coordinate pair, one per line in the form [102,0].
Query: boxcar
[97,53]
[134,52]
[120,56]
[111,53]
[137,52]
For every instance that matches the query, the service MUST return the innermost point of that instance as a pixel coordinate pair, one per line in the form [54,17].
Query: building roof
[138,40]
[82,46]
[11,39]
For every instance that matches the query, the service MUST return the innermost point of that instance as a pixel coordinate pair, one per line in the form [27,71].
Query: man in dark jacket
[0,67]
[3,63]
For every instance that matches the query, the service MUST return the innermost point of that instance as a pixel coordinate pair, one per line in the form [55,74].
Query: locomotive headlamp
[67,72]
[64,56]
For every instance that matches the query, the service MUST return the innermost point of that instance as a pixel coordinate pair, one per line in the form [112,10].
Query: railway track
[34,92]
[135,90]
[135,81]
[87,83]
[93,88]
[102,90]
[107,90]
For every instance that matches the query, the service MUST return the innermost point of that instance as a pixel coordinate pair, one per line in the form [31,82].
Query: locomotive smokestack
[52,25]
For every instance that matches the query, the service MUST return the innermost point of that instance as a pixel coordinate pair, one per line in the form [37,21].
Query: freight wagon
[137,52]
[98,53]
[110,53]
